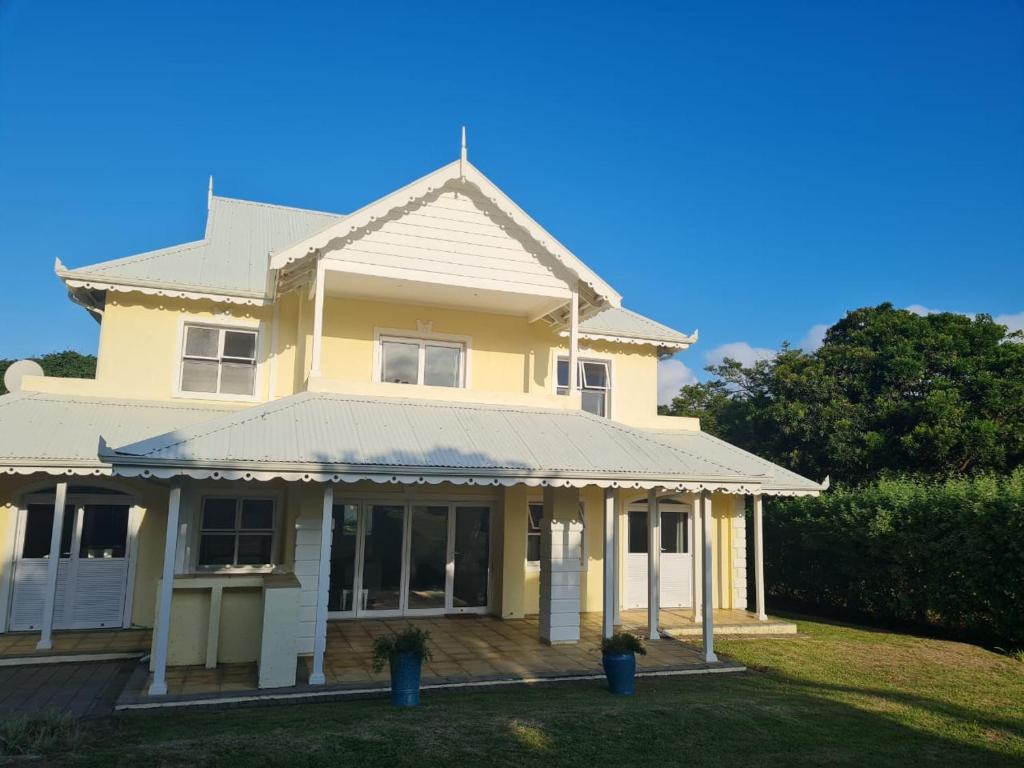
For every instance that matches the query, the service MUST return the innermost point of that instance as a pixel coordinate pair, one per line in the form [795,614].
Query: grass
[39,735]
[833,695]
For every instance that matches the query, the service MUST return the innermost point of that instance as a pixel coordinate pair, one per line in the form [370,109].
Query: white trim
[608,541]
[653,564]
[105,285]
[6,580]
[759,557]
[317,343]
[574,342]
[422,335]
[588,356]
[239,495]
[316,676]
[228,323]
[708,622]
[163,609]
[135,515]
[50,598]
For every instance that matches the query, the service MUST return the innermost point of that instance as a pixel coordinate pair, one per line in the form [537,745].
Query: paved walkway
[84,690]
[73,642]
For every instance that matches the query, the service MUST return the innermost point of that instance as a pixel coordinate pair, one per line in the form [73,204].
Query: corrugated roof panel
[619,321]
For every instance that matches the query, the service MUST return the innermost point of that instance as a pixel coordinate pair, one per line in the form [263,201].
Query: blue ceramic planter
[620,669]
[405,679]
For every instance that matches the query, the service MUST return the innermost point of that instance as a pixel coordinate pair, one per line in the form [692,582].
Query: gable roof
[341,438]
[230,262]
[61,432]
[463,177]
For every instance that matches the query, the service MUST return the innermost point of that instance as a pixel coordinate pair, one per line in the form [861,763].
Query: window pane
[472,551]
[595,375]
[219,514]
[533,548]
[441,366]
[199,375]
[240,344]
[638,533]
[428,556]
[400,362]
[563,373]
[238,378]
[254,549]
[673,532]
[104,531]
[39,527]
[202,342]
[258,513]
[536,513]
[594,401]
[217,549]
[382,557]
[343,558]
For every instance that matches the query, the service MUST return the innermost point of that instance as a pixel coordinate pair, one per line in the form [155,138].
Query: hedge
[944,556]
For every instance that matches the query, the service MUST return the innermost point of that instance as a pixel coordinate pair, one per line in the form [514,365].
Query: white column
[574,341]
[50,598]
[610,539]
[759,558]
[318,318]
[697,550]
[709,637]
[316,677]
[653,565]
[163,609]
[617,562]
[561,537]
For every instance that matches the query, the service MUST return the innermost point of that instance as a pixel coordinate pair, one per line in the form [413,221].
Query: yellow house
[426,407]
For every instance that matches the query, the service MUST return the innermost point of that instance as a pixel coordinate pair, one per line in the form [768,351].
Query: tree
[888,391]
[67,364]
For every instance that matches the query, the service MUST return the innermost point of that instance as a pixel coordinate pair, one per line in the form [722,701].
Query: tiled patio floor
[474,650]
[92,641]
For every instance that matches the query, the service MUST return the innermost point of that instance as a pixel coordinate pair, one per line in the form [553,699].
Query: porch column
[560,542]
[709,638]
[697,577]
[653,565]
[318,318]
[163,609]
[50,598]
[759,558]
[574,340]
[323,584]
[610,553]
[617,562]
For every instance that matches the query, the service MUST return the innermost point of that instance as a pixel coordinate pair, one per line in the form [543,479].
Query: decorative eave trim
[78,280]
[639,341]
[74,470]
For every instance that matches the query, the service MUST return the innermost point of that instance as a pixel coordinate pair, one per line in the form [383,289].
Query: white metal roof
[62,432]
[621,324]
[232,258]
[321,436]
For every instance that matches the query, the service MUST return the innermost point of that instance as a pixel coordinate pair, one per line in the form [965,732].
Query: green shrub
[39,735]
[946,556]
[387,647]
[622,642]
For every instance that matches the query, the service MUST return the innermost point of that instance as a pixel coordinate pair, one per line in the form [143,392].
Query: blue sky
[750,169]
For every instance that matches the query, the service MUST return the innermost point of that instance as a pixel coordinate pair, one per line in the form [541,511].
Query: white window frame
[581,378]
[238,498]
[534,565]
[423,339]
[235,324]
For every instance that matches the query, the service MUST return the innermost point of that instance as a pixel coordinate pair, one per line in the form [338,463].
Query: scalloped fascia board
[169,292]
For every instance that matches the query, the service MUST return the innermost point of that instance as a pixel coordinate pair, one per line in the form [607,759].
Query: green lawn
[830,696]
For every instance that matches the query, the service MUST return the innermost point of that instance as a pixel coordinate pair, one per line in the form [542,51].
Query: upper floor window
[219,360]
[595,384]
[422,361]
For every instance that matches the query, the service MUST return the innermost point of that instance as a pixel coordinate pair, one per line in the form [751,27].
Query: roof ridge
[261,204]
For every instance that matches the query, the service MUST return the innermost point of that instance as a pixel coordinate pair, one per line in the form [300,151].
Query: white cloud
[922,310]
[738,350]
[672,376]
[1012,322]
[814,338]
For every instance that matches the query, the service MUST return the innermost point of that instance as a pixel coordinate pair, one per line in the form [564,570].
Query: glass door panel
[341,597]
[382,557]
[428,557]
[472,554]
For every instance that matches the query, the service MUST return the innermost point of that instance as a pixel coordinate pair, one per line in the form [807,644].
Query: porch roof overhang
[323,437]
[59,434]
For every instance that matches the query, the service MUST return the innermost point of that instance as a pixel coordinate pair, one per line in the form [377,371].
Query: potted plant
[404,653]
[618,656]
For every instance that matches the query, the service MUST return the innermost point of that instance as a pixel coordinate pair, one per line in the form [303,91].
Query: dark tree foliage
[888,392]
[67,364]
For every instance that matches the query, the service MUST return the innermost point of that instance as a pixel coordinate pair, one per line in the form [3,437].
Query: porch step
[66,658]
[760,628]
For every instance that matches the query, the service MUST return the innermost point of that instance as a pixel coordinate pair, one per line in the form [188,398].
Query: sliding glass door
[409,559]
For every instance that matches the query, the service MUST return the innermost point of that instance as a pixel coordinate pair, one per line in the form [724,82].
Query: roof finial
[209,194]
[462,157]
